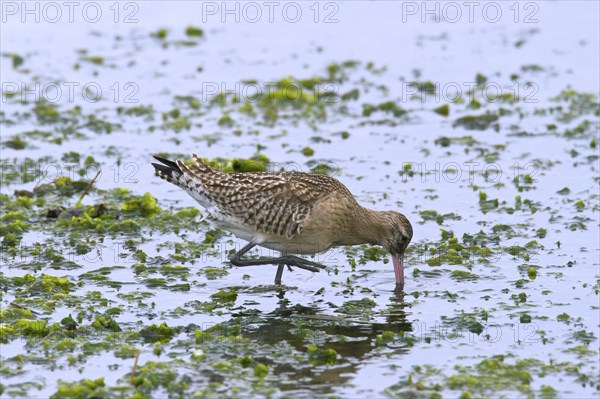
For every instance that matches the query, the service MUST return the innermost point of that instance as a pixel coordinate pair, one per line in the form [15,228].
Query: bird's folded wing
[272,203]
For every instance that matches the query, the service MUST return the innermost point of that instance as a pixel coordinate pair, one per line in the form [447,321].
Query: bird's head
[398,236]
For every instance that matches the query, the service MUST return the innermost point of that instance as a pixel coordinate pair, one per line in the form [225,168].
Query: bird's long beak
[398,261]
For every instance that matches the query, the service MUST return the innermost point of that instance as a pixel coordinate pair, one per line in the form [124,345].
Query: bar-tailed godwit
[290,212]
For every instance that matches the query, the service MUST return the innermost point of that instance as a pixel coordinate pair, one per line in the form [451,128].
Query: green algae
[575,104]
[189,101]
[249,165]
[46,113]
[213,273]
[322,356]
[388,107]
[145,206]
[157,333]
[16,60]
[106,324]
[296,99]
[42,284]
[488,377]
[443,110]
[160,33]
[477,122]
[261,371]
[432,215]
[425,87]
[226,121]
[357,307]
[85,388]
[307,152]
[96,60]
[194,31]
[177,125]
[24,328]
[373,254]
[225,296]
[16,143]
[258,163]
[140,110]
[323,168]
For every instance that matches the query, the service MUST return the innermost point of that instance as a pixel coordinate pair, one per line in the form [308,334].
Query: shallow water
[524,290]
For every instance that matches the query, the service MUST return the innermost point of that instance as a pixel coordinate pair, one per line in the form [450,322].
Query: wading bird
[293,213]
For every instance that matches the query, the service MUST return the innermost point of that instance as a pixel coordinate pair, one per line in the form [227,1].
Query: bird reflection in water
[353,339]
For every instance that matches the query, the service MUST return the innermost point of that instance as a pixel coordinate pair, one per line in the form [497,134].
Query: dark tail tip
[162,169]
[170,164]
[167,170]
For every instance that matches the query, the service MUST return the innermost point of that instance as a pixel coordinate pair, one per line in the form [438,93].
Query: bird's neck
[366,227]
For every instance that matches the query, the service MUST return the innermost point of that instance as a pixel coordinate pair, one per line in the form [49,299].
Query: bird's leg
[289,260]
[241,252]
[279,274]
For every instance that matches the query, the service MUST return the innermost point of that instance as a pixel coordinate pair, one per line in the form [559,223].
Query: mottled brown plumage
[291,212]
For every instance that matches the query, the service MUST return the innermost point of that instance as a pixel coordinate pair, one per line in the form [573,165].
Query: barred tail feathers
[189,178]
